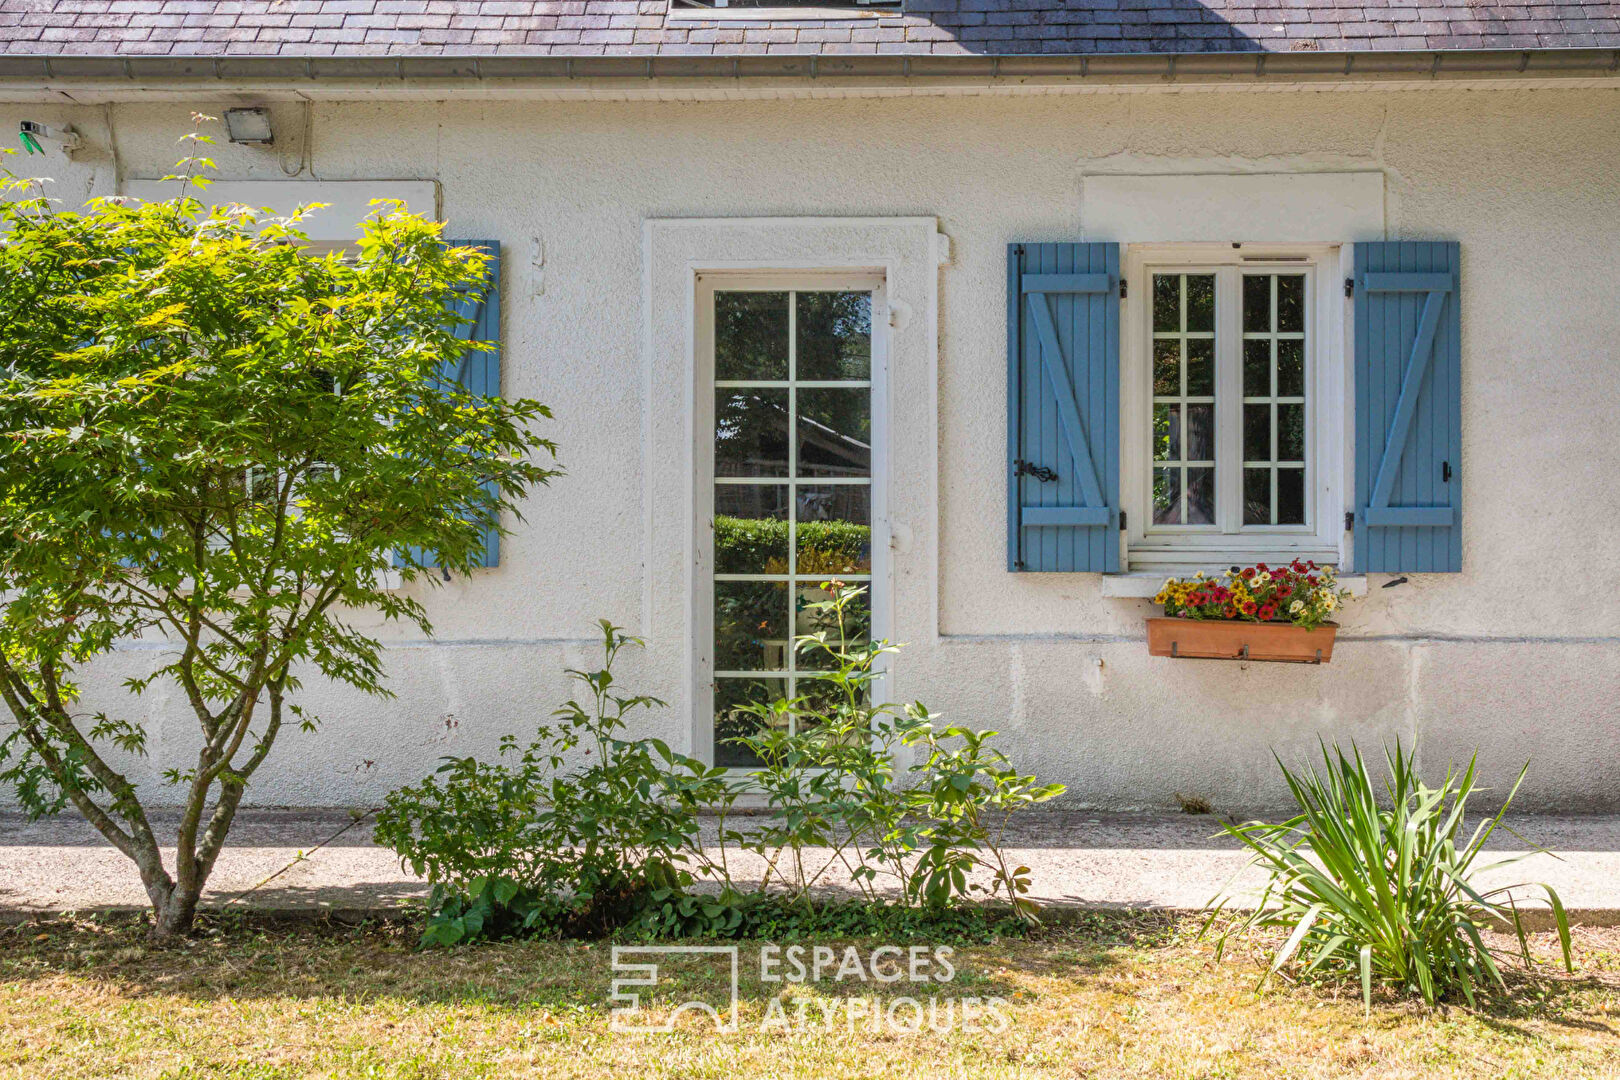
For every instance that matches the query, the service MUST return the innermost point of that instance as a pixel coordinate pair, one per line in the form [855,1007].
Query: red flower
[1296,566]
[1249,607]
[1286,591]
[1268,612]
[1311,564]
[1248,572]
[1231,611]
[1311,580]
[1260,566]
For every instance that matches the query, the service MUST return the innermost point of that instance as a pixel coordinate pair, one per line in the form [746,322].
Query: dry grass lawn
[1127,997]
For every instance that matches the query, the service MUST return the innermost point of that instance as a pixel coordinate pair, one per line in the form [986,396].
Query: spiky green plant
[1385,892]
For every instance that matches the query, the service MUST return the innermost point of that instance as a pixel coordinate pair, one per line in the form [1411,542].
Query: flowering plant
[1301,593]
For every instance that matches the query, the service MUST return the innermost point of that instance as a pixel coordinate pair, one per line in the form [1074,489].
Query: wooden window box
[1205,639]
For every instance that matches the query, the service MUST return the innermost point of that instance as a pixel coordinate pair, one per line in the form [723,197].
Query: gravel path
[1137,860]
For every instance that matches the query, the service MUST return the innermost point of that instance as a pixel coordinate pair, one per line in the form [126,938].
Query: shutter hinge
[1445,472]
[1349,520]
[1122,521]
[1029,468]
[1349,286]
[1122,288]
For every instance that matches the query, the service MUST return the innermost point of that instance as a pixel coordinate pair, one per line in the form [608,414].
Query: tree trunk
[175,915]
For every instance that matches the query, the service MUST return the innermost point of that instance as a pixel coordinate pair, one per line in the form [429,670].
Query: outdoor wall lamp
[250,126]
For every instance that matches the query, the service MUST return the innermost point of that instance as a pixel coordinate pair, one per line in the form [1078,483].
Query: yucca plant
[1384,892]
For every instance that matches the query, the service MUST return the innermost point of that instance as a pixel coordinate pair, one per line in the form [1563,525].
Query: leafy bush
[544,844]
[539,845]
[1392,899]
[830,774]
[748,544]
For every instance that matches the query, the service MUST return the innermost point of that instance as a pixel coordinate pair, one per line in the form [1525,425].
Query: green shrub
[1389,895]
[537,844]
[743,545]
[832,775]
[546,845]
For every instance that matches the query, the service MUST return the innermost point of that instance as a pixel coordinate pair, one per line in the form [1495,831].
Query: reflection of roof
[347,29]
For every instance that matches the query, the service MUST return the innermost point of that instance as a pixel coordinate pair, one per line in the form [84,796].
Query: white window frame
[706,284]
[1329,408]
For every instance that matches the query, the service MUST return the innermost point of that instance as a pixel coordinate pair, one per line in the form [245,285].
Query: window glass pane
[1167,496]
[1291,303]
[1200,302]
[1290,496]
[1167,302]
[750,625]
[1167,368]
[835,432]
[750,335]
[835,529]
[827,697]
[1200,496]
[814,614]
[1290,367]
[731,721]
[1257,433]
[750,432]
[1257,368]
[1200,367]
[750,528]
[1256,304]
[1257,496]
[1200,433]
[834,332]
[1290,433]
[1167,432]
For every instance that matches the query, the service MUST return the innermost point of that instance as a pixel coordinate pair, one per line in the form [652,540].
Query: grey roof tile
[637,27]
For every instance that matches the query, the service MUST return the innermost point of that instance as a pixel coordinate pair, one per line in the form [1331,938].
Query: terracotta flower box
[1209,639]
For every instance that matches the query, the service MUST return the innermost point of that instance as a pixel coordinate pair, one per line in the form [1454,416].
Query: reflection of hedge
[745,545]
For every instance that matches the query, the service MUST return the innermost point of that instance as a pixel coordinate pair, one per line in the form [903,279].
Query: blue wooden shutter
[479,371]
[1063,407]
[1408,334]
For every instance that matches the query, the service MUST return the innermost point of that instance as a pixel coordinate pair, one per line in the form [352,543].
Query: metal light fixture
[251,126]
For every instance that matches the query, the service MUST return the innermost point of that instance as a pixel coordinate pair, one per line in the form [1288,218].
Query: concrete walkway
[292,859]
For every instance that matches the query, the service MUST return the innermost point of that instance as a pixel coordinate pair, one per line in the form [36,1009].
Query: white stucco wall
[1518,656]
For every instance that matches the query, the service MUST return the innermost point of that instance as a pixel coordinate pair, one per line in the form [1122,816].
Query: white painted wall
[1519,656]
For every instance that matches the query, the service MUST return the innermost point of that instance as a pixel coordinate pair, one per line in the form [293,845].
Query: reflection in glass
[750,625]
[750,432]
[1167,432]
[1200,496]
[1201,367]
[1257,368]
[750,528]
[750,335]
[1257,433]
[1200,302]
[814,614]
[731,719]
[1200,433]
[1167,496]
[1257,496]
[834,332]
[1290,433]
[1290,303]
[1256,304]
[1291,368]
[835,432]
[1166,303]
[1290,496]
[835,529]
[1167,368]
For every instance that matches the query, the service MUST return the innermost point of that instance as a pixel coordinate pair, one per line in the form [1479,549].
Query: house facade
[1004,310]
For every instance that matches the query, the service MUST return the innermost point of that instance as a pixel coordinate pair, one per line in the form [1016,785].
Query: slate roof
[321,28]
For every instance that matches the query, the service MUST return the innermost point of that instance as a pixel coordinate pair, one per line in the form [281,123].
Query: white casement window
[790,436]
[1234,393]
